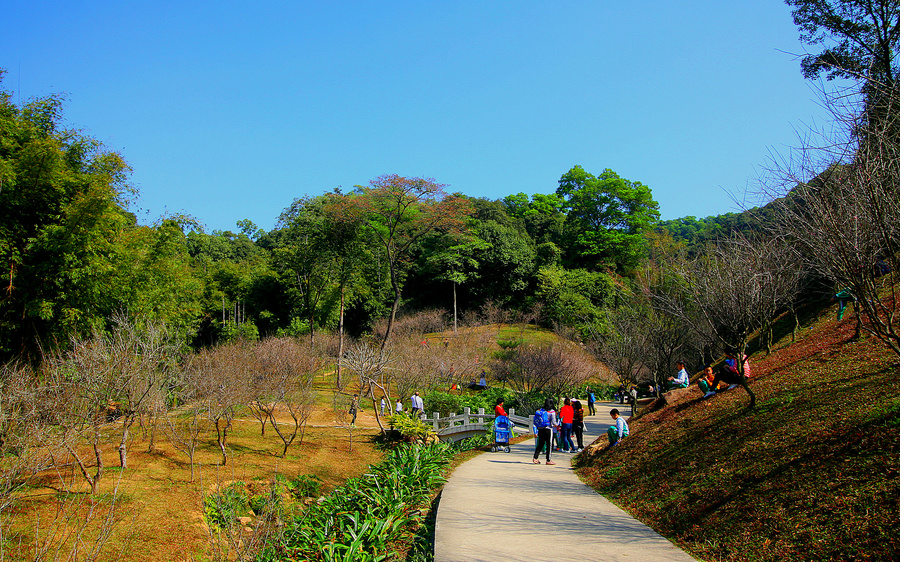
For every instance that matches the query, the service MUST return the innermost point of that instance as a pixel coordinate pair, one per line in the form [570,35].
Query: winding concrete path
[502,507]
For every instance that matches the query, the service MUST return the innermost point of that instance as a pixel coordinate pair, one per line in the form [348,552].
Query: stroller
[502,431]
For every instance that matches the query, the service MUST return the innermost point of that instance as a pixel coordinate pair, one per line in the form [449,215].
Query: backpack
[541,419]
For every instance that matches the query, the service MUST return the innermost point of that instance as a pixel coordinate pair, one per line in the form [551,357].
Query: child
[618,430]
[705,382]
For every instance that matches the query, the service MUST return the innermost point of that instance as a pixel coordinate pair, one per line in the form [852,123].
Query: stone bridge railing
[455,427]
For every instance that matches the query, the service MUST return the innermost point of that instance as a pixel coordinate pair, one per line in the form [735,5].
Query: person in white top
[417,404]
[681,380]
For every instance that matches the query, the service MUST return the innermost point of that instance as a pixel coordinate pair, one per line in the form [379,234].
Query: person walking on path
[354,408]
[417,404]
[591,400]
[383,404]
[498,409]
[544,419]
[578,424]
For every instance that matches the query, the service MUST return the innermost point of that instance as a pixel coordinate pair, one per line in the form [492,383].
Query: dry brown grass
[159,512]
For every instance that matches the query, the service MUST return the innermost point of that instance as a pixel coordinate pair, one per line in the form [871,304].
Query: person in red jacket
[566,416]
[498,409]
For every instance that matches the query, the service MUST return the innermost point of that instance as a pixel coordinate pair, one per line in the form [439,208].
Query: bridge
[462,426]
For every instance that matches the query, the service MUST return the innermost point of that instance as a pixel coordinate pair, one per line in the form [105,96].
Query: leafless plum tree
[219,376]
[733,290]
[371,364]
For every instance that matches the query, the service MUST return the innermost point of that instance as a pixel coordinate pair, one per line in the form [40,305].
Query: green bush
[411,428]
[221,509]
[446,403]
[368,517]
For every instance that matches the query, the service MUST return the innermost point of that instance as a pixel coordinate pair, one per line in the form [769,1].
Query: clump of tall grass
[367,516]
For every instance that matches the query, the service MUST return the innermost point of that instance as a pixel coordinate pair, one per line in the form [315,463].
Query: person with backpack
[544,420]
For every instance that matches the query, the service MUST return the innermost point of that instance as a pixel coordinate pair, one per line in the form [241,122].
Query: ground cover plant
[813,473]
[370,516]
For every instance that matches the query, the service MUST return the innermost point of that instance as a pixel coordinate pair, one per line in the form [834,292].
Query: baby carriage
[502,430]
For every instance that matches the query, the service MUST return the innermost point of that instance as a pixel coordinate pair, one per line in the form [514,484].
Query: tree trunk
[340,382]
[221,436]
[454,308]
[395,284]
[123,447]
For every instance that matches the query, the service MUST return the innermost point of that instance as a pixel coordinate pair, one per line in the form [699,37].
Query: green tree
[62,199]
[452,258]
[399,211]
[508,263]
[303,256]
[606,218]
[859,38]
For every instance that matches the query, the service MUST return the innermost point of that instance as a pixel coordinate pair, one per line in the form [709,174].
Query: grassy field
[159,513]
[813,473]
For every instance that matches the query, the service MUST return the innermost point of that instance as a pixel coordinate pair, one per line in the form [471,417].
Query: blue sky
[230,110]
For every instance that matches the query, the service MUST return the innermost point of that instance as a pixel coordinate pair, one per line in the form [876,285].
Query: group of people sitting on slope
[728,376]
[554,431]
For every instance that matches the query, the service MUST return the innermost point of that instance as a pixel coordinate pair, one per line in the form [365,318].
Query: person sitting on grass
[619,429]
[705,382]
[726,374]
[681,380]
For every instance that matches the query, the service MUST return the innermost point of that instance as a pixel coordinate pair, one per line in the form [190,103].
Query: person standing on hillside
[398,409]
[383,404]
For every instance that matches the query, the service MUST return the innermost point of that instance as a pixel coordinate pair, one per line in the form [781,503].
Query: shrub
[222,508]
[411,428]
[368,516]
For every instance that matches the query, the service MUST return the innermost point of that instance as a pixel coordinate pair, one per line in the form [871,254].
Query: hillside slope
[813,473]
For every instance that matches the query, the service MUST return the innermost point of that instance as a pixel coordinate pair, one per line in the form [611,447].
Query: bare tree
[145,352]
[548,368]
[371,365]
[733,290]
[625,347]
[184,425]
[83,388]
[219,376]
[290,369]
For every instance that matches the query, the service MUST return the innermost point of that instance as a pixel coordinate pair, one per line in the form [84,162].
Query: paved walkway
[502,507]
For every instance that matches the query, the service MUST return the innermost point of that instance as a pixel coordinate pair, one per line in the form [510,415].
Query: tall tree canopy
[859,38]
[607,216]
[399,211]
